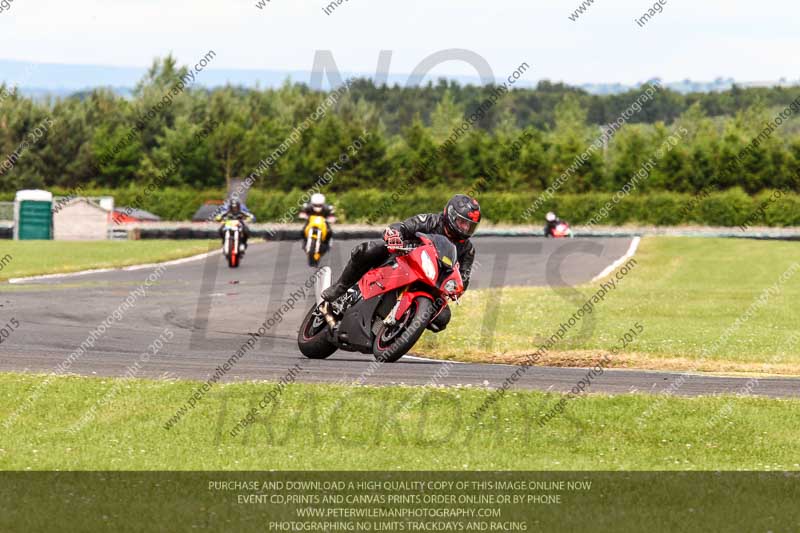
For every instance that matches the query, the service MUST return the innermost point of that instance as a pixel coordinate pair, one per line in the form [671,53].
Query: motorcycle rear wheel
[312,339]
[393,342]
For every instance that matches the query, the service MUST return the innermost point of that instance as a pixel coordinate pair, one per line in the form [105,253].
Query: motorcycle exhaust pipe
[322,283]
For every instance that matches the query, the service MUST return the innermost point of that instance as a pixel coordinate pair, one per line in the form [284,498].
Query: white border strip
[610,268]
[127,268]
[428,359]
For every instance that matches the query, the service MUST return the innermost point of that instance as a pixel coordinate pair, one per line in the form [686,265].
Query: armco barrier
[266,233]
[347,231]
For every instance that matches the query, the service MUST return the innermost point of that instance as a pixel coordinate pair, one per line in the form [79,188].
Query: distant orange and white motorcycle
[233,231]
[232,247]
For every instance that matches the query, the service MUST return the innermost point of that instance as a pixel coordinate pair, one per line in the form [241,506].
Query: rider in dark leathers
[236,210]
[458,222]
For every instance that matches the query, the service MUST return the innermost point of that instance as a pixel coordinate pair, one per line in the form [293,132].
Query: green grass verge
[326,427]
[32,258]
[714,304]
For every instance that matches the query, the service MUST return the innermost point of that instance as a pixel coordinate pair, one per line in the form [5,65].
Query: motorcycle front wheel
[393,342]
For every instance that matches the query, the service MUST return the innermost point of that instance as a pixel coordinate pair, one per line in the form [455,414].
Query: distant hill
[40,80]
[688,86]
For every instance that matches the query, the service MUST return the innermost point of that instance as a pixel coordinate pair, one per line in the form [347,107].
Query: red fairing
[408,298]
[455,275]
[407,271]
[561,230]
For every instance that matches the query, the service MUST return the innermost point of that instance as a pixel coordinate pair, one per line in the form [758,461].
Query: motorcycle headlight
[450,286]
[427,266]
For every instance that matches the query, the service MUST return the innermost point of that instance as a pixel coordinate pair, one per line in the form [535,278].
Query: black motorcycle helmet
[236,206]
[461,217]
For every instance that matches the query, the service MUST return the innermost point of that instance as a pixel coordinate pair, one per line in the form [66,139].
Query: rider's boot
[328,296]
[349,276]
[351,273]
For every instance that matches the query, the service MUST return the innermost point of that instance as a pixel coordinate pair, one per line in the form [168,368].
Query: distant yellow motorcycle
[315,233]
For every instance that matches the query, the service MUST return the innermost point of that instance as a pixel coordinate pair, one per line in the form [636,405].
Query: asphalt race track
[211,310]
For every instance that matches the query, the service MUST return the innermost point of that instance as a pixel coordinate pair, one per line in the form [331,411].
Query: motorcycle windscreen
[445,249]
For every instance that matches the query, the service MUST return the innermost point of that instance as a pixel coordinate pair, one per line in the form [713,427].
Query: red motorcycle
[390,307]
[232,248]
[562,230]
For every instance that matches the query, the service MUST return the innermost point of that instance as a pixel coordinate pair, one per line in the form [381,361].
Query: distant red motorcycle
[390,307]
[561,231]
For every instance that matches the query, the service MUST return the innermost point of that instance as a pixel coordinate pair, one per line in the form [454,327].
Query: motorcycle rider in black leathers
[317,206]
[458,222]
[235,210]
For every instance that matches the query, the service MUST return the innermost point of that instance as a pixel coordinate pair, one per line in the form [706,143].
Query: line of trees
[525,141]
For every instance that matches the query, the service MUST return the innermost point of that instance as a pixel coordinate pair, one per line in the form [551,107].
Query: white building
[83,219]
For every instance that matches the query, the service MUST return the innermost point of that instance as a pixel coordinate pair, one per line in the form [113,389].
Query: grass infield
[33,258]
[721,305]
[327,427]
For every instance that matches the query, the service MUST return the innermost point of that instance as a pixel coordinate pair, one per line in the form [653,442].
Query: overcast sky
[701,39]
